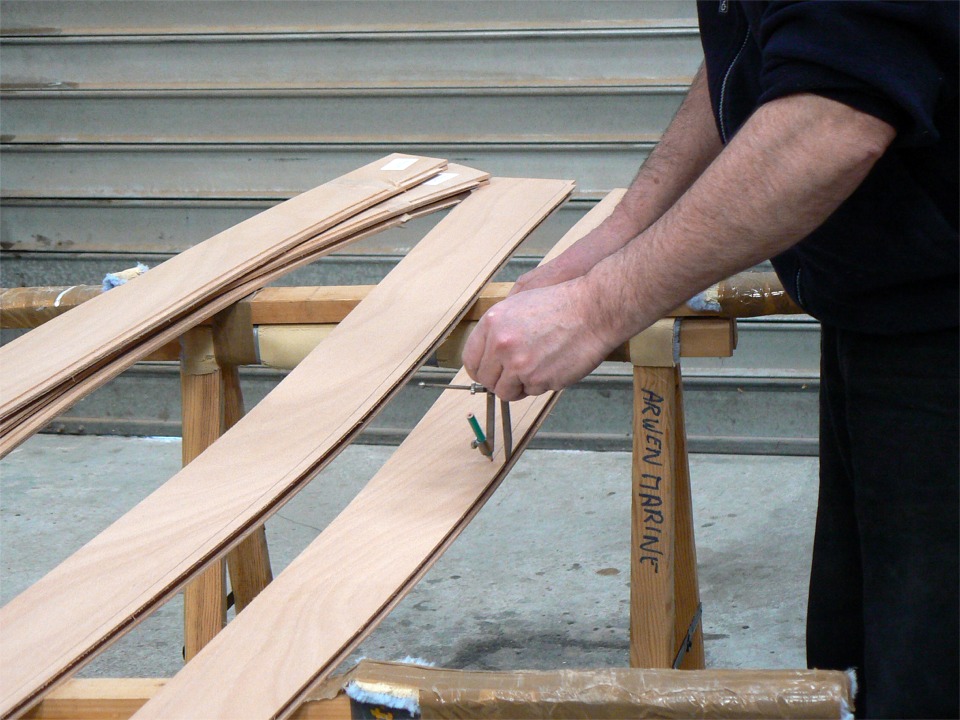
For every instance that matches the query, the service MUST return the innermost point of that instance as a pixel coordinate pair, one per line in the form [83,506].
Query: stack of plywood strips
[109,585]
[49,369]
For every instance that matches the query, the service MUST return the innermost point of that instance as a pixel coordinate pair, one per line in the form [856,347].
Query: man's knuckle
[504,342]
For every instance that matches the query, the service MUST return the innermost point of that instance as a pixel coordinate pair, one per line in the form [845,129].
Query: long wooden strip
[30,420]
[424,198]
[308,620]
[42,359]
[110,584]
[334,593]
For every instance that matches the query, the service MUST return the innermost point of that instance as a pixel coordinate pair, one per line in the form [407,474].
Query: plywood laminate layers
[426,197]
[51,629]
[390,211]
[332,595]
[53,353]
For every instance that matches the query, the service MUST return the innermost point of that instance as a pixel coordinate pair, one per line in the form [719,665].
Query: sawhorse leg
[249,562]
[212,403]
[664,592]
[204,598]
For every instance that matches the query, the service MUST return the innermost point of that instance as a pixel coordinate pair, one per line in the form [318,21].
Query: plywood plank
[110,584]
[425,198]
[317,610]
[31,368]
[28,421]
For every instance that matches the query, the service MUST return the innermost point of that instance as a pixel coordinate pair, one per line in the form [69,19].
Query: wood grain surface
[202,400]
[653,519]
[334,593]
[106,587]
[686,582]
[750,294]
[427,197]
[248,564]
[29,420]
[93,330]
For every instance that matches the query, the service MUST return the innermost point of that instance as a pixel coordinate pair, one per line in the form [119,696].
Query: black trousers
[884,582]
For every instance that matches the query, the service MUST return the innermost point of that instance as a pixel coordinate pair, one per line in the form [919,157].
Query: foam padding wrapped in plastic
[606,693]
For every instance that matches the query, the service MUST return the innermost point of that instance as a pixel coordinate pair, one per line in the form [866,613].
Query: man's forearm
[791,164]
[687,146]
[787,169]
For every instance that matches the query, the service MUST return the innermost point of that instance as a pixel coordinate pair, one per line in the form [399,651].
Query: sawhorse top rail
[750,294]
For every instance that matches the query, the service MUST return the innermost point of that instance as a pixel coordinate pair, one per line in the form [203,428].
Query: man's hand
[535,341]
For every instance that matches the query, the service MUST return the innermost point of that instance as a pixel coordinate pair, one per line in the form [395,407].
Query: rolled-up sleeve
[882,58]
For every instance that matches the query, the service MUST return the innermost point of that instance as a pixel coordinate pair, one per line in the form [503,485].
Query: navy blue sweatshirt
[886,261]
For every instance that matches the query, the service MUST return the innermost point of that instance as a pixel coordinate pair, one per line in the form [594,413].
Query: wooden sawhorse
[664,591]
[665,606]
[664,598]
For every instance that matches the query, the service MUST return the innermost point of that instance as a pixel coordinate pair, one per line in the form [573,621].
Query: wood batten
[437,193]
[188,278]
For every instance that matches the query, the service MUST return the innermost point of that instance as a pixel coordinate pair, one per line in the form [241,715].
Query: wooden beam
[653,516]
[248,564]
[686,582]
[306,305]
[201,392]
[284,346]
[743,295]
[700,337]
[121,698]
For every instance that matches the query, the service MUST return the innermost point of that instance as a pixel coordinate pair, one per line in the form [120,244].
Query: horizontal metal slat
[173,226]
[209,172]
[65,17]
[416,58]
[592,113]
[65,269]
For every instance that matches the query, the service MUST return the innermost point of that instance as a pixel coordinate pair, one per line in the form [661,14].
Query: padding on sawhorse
[665,610]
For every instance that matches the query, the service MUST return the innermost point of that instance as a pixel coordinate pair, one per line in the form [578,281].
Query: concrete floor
[539,580]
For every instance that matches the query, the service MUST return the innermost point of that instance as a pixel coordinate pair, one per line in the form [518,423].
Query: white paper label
[441,178]
[399,164]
